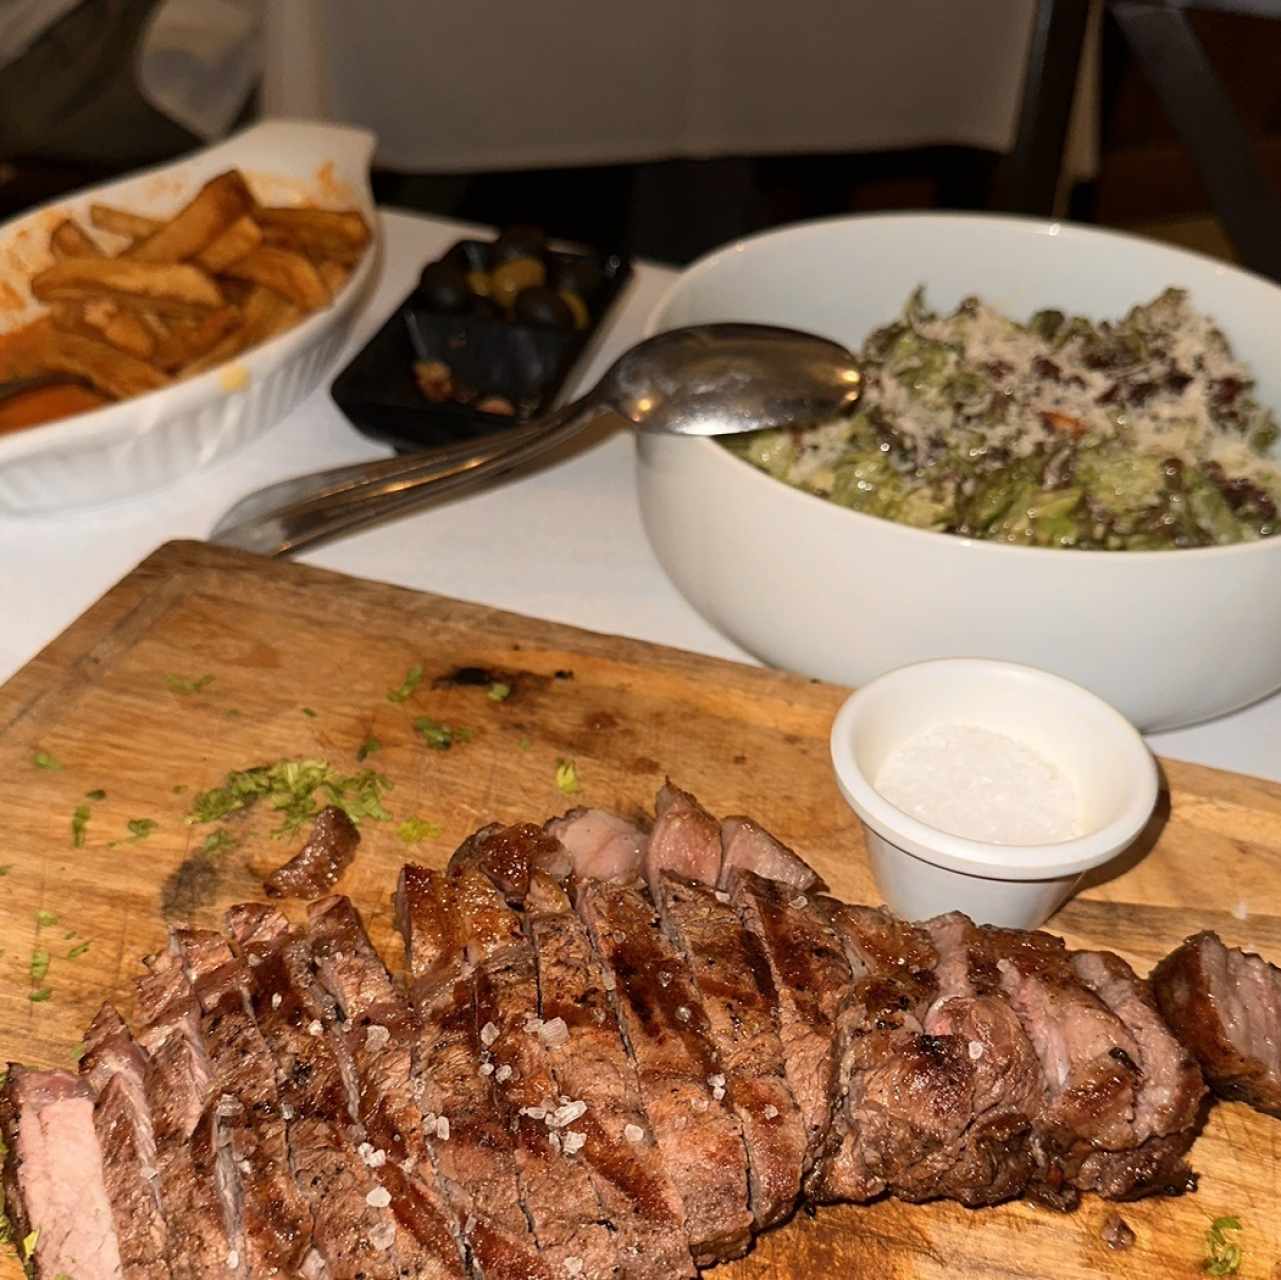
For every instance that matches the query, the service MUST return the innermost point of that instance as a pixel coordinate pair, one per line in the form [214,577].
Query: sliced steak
[1089,1059]
[320,863]
[55,1194]
[592,1066]
[746,846]
[677,1066]
[811,976]
[601,845]
[474,1151]
[380,1029]
[1225,1007]
[1168,1105]
[686,839]
[353,1227]
[516,1049]
[192,1157]
[739,1000]
[116,1069]
[274,1217]
[507,856]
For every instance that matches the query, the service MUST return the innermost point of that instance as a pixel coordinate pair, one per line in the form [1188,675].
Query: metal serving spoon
[706,380]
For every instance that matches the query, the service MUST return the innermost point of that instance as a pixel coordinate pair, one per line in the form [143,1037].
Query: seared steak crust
[738,997]
[318,866]
[631,1180]
[1224,1005]
[666,1030]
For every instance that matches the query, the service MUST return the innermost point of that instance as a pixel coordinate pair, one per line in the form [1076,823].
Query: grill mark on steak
[1170,1088]
[53,1175]
[555,1187]
[666,1031]
[739,1000]
[810,975]
[314,870]
[1224,1005]
[351,1233]
[380,1030]
[626,1167]
[474,1152]
[116,1068]
[191,1152]
[275,1217]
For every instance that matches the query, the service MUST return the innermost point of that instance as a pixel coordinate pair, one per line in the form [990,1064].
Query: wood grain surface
[278,638]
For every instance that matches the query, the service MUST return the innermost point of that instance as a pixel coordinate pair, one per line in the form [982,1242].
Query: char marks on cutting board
[279,637]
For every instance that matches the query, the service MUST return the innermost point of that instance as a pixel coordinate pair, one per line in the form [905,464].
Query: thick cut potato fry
[166,286]
[186,342]
[341,234]
[334,274]
[120,222]
[42,348]
[266,313]
[219,203]
[242,237]
[121,328]
[288,273]
[70,240]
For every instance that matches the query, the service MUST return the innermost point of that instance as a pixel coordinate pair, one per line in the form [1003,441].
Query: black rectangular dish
[450,364]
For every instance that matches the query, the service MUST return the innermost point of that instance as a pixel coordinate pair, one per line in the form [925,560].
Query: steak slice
[379,1030]
[192,1158]
[116,1069]
[592,1066]
[1170,1092]
[275,1219]
[811,976]
[739,1000]
[508,855]
[54,1189]
[1225,1007]
[686,839]
[474,1151]
[329,850]
[516,1049]
[746,846]
[600,845]
[667,1033]
[353,1228]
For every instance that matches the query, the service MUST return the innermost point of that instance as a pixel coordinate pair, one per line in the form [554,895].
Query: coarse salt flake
[376,1036]
[721,896]
[442,1128]
[276,1000]
[770,1112]
[378,1197]
[566,1114]
[573,1141]
[976,1050]
[486,1069]
[488,1034]
[233,1259]
[1241,911]
[383,1236]
[800,902]
[573,1266]
[503,1074]
[633,1133]
[554,1032]
[534,1113]
[314,1028]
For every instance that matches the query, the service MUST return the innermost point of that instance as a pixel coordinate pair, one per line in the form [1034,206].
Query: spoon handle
[289,528]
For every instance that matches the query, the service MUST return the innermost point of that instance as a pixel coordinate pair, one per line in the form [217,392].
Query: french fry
[123,329]
[333,273]
[118,374]
[168,287]
[186,341]
[242,237]
[341,234]
[266,313]
[120,222]
[69,240]
[217,205]
[288,273]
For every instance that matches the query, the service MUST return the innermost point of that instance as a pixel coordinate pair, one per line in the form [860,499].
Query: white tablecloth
[564,542]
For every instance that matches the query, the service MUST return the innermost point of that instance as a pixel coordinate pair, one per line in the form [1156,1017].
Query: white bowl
[1168,637]
[922,871]
[143,443]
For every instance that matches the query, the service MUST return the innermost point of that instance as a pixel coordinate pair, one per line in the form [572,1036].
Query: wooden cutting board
[302,661]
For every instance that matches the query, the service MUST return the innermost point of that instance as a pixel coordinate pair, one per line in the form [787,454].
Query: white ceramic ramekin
[921,871]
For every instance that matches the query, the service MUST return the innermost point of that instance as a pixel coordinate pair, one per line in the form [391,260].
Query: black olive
[581,274]
[487,308]
[543,306]
[518,242]
[443,288]
[467,258]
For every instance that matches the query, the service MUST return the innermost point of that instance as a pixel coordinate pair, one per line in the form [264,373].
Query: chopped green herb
[62,1275]
[180,684]
[96,794]
[368,748]
[6,1231]
[413,678]
[232,714]
[523,744]
[43,760]
[1224,1254]
[39,964]
[412,830]
[309,713]
[45,918]
[39,997]
[499,692]
[29,1244]
[180,788]
[567,776]
[291,788]
[217,842]
[141,828]
[4,870]
[79,821]
[77,951]
[440,737]
[77,1052]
